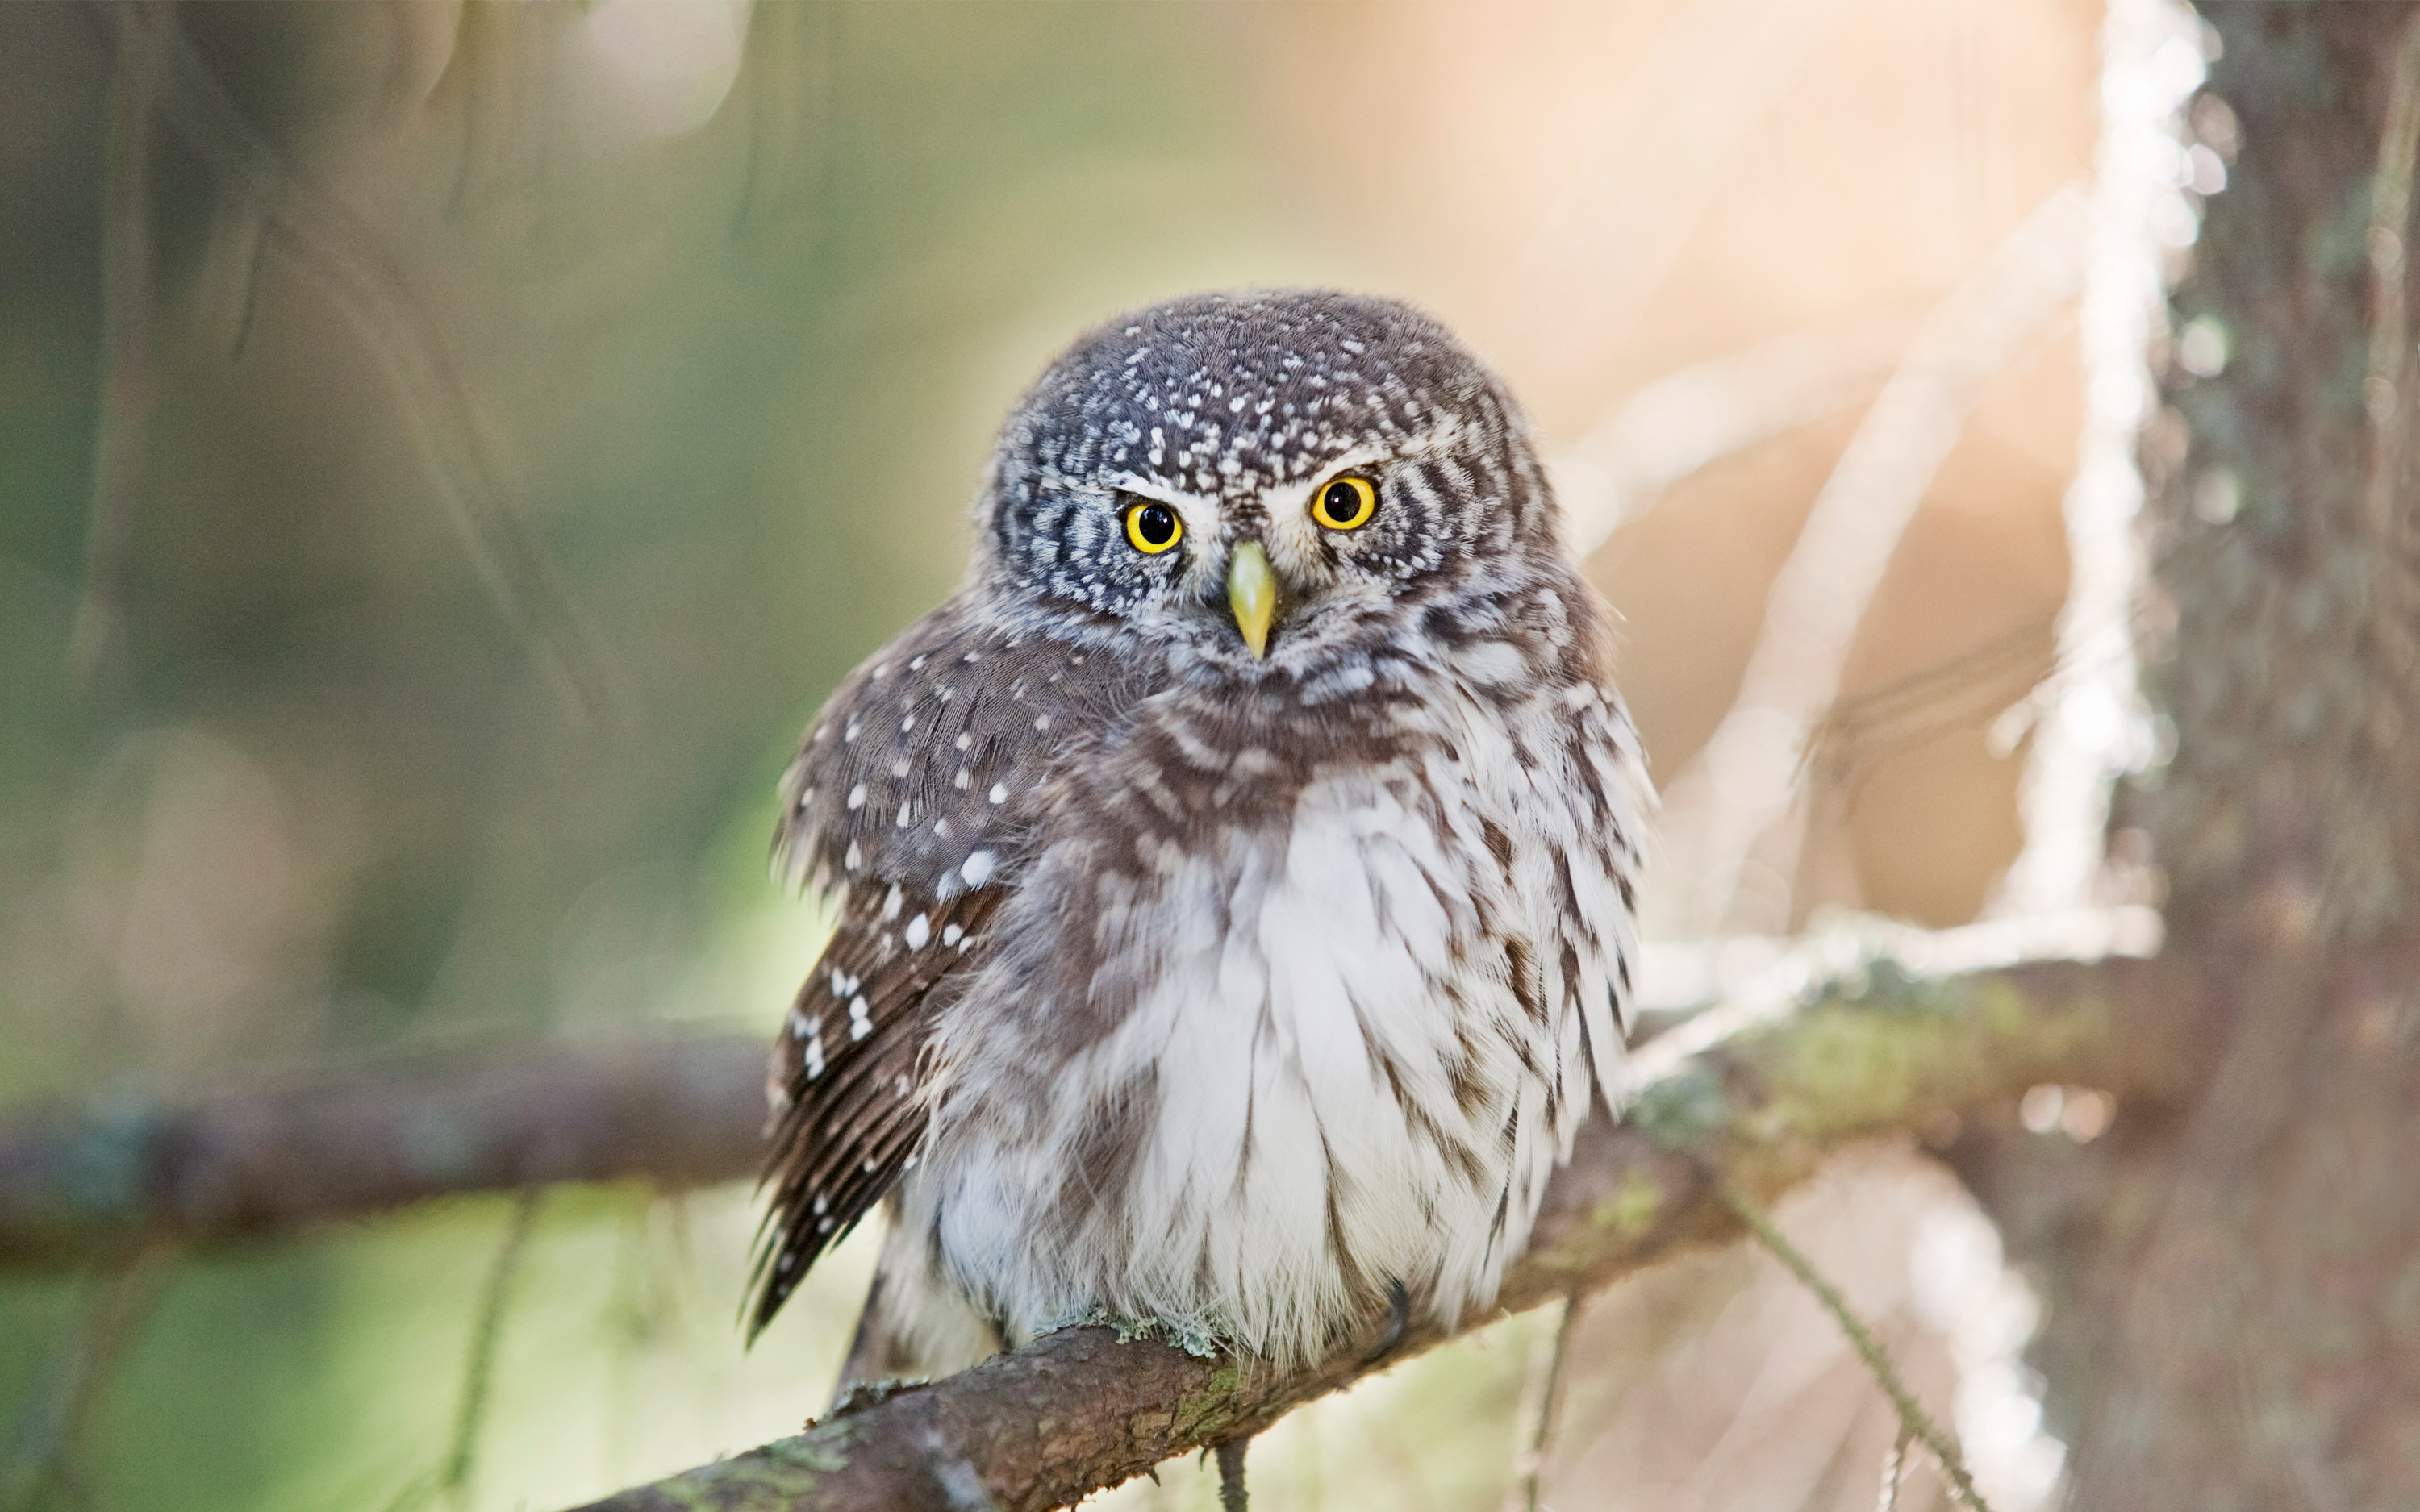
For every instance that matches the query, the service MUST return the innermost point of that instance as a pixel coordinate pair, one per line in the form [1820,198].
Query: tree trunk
[2235,1293]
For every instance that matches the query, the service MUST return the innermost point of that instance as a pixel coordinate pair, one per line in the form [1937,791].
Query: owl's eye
[1345,503]
[1152,528]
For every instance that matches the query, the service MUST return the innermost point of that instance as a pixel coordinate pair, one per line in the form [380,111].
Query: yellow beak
[1253,593]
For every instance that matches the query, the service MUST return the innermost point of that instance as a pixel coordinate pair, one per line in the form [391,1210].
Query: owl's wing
[904,803]
[846,1079]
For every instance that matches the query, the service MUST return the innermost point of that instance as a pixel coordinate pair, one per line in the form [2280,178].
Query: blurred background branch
[1687,421]
[1744,781]
[122,424]
[160,68]
[126,1173]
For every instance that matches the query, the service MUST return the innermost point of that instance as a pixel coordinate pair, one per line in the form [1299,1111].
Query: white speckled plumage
[1190,984]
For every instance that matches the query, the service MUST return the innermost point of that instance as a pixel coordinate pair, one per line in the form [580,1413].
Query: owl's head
[1263,479]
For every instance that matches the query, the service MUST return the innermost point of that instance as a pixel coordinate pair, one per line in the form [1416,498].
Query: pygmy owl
[1235,878]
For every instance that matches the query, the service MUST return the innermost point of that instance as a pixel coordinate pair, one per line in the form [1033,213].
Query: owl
[1234,879]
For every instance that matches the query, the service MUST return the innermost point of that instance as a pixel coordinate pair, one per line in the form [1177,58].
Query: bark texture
[2235,1286]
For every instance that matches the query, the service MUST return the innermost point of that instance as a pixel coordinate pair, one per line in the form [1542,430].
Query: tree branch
[123,1172]
[1884,1053]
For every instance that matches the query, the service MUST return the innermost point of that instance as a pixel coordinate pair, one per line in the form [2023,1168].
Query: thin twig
[1540,1408]
[1893,1463]
[1913,1418]
[492,57]
[487,1330]
[1976,686]
[40,1446]
[787,79]
[2390,337]
[121,429]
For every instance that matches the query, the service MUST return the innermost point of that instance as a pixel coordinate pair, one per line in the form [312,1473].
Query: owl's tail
[915,1325]
[874,1353]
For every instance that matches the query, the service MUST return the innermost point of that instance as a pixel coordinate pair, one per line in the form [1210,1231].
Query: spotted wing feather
[846,1077]
[908,804]
[916,770]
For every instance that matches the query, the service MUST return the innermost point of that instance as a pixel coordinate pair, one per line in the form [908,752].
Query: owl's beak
[1253,593]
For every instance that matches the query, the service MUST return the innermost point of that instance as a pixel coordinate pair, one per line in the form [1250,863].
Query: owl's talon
[1195,1341]
[1399,1322]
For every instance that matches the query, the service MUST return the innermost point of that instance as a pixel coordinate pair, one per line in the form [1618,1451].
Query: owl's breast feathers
[1255,997]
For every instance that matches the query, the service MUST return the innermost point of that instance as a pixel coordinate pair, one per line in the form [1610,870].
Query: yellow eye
[1153,527]
[1345,503]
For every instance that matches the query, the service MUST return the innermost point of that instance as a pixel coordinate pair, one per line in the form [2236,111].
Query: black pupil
[1155,524]
[1343,501]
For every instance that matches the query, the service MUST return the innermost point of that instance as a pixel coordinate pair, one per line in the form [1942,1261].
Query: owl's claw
[1399,1322]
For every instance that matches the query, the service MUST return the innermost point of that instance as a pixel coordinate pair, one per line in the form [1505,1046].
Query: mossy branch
[1884,1055]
